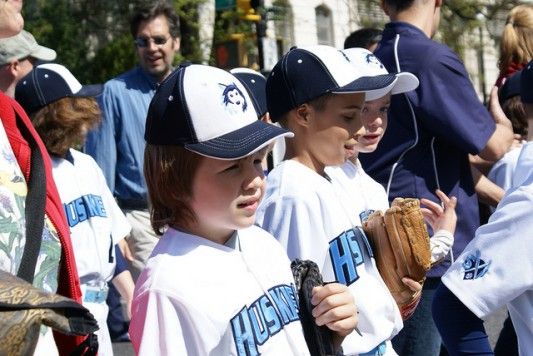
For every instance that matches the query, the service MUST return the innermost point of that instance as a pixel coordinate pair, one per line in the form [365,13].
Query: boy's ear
[302,114]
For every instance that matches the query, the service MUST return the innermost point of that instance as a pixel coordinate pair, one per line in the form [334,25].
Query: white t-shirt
[496,267]
[96,224]
[366,194]
[197,297]
[304,212]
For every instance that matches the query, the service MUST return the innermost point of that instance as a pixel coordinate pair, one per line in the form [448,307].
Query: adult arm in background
[100,143]
[485,166]
[487,191]
[502,138]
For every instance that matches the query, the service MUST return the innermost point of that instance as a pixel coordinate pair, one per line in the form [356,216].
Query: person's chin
[245,221]
[349,152]
[338,161]
[155,68]
[368,148]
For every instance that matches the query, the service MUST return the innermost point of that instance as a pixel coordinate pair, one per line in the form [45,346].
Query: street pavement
[493,325]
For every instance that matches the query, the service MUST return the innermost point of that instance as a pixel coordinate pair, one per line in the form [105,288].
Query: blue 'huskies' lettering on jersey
[83,208]
[346,254]
[265,317]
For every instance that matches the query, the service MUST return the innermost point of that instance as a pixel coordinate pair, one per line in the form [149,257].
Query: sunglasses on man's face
[143,42]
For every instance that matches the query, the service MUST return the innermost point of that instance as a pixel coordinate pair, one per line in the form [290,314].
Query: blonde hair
[516,44]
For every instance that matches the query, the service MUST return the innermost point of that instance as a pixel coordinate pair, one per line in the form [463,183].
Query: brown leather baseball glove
[400,243]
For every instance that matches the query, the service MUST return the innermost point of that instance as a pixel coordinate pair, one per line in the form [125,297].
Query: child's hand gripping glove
[400,243]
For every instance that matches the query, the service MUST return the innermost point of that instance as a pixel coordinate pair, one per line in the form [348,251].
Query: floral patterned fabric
[13,192]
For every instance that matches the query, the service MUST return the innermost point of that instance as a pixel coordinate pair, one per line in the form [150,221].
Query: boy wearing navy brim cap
[317,93]
[204,177]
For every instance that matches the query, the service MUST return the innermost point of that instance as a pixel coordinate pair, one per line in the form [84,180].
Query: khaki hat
[21,46]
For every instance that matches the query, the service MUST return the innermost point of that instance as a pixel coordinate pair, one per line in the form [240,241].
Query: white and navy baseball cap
[208,111]
[50,82]
[371,66]
[255,83]
[306,73]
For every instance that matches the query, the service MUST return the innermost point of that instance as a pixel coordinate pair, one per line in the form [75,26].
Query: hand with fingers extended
[442,219]
[334,307]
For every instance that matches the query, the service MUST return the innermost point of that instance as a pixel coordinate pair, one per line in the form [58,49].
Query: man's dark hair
[398,5]
[364,37]
[151,11]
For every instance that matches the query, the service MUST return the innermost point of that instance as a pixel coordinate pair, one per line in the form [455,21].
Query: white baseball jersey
[365,193]
[303,211]
[496,267]
[96,224]
[502,171]
[198,297]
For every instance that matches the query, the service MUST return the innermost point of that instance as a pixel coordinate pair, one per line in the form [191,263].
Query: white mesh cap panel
[224,105]
[72,82]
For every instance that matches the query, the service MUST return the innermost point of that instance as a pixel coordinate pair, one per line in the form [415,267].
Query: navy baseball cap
[255,83]
[526,84]
[50,82]
[306,73]
[208,111]
[510,88]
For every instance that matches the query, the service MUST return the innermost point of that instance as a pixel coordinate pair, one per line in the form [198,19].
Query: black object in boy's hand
[319,338]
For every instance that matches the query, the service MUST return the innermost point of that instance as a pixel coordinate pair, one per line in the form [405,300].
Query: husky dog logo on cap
[233,98]
[372,59]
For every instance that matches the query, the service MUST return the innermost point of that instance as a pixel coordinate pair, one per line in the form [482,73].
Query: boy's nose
[374,124]
[254,178]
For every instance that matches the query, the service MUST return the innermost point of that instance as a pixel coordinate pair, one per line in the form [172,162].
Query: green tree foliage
[92,37]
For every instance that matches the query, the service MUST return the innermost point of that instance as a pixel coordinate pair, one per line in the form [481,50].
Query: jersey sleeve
[120,226]
[497,265]
[449,104]
[162,325]
[298,225]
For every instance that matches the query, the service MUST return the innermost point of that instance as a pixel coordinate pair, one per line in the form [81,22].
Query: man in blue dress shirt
[118,144]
